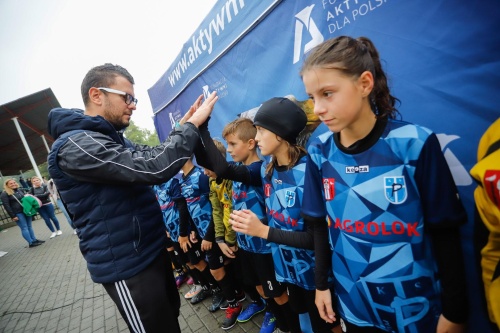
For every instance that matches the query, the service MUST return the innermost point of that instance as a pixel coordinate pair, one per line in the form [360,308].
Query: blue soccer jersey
[251,197]
[283,193]
[195,188]
[166,194]
[376,202]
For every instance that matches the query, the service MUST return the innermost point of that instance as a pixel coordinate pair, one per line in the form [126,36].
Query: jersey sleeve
[441,203]
[322,251]
[254,172]
[102,160]
[313,203]
[176,189]
[204,183]
[298,239]
[184,217]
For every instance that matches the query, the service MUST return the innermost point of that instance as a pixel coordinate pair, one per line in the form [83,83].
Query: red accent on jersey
[492,185]
[375,228]
[267,190]
[329,188]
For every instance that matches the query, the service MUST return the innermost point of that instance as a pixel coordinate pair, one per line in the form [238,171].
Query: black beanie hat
[282,117]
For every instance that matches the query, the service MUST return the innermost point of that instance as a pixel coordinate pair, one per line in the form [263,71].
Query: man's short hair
[242,128]
[102,76]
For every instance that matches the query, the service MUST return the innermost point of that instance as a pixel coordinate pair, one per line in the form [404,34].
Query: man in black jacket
[104,180]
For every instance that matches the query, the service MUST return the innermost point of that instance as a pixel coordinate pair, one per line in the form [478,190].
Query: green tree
[141,136]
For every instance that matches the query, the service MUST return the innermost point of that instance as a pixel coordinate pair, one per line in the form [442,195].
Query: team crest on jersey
[395,189]
[290,198]
[329,188]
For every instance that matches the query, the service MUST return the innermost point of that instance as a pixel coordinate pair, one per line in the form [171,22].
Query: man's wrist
[194,123]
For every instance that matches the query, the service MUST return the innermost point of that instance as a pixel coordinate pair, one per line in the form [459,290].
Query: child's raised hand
[192,110]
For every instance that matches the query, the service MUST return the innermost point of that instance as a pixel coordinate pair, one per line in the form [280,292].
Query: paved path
[48,289]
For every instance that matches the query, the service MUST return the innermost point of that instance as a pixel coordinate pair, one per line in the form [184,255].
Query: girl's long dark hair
[295,151]
[353,57]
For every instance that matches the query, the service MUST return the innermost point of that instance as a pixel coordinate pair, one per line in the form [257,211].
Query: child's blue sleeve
[313,203]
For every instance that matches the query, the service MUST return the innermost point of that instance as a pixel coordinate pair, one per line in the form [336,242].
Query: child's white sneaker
[52,235]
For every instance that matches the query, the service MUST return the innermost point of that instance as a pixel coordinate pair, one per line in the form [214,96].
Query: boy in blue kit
[387,194]
[195,188]
[254,254]
[224,251]
[176,219]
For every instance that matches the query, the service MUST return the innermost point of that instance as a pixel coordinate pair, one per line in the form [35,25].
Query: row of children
[382,242]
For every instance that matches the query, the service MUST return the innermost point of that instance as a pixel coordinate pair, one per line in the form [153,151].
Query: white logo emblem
[458,171]
[172,121]
[303,19]
[206,91]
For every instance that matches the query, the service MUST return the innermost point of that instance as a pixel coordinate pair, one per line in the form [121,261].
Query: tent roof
[32,112]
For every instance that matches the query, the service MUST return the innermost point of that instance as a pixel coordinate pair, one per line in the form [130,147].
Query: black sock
[227,286]
[230,271]
[253,294]
[196,275]
[174,258]
[286,319]
[209,278]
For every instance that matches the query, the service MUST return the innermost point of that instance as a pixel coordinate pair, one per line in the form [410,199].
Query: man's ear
[251,144]
[366,83]
[95,96]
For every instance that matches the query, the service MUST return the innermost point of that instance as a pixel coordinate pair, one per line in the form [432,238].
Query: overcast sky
[53,43]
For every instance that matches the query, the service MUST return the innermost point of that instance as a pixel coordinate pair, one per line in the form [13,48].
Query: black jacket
[11,205]
[41,193]
[104,180]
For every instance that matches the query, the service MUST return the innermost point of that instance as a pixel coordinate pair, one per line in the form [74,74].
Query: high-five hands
[199,112]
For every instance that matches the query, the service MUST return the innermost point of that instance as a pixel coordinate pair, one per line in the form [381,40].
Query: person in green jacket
[12,198]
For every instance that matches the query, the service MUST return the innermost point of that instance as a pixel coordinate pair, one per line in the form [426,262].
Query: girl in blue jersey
[253,255]
[279,121]
[388,197]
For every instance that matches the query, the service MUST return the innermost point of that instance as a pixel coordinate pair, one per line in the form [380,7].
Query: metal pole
[45,143]
[25,143]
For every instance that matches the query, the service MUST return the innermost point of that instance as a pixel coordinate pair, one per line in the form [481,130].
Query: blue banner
[226,24]
[442,59]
